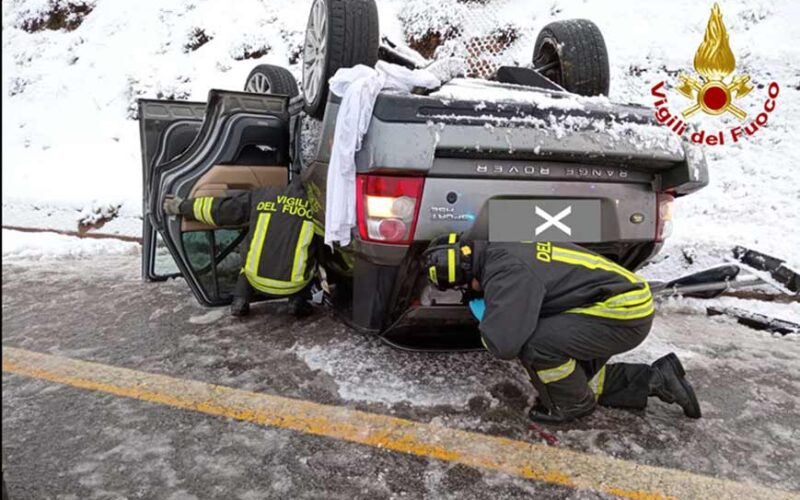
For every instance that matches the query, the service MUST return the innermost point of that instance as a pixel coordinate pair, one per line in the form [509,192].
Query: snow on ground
[69,97]
[66,218]
[748,383]
[39,246]
[70,146]
[681,305]
[367,370]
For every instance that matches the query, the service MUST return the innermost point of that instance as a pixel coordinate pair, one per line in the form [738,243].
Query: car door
[242,143]
[166,129]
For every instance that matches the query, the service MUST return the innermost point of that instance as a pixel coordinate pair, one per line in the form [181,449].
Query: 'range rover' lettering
[512,169]
[596,172]
[558,171]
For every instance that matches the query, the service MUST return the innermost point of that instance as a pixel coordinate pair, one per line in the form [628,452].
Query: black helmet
[448,262]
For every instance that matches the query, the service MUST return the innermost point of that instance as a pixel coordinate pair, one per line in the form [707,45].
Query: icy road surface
[92,445]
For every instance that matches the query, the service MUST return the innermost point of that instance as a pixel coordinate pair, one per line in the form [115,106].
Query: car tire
[573,54]
[269,79]
[339,34]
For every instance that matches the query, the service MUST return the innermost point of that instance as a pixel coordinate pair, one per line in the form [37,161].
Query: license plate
[544,220]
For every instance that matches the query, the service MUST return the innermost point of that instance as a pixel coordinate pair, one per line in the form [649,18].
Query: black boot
[542,414]
[668,382]
[240,307]
[299,306]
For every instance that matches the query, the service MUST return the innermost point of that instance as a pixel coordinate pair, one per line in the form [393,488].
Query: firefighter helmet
[448,262]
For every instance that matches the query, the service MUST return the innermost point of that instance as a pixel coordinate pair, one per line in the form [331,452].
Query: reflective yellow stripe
[197,208]
[256,244]
[275,287]
[591,261]
[558,373]
[596,383]
[632,298]
[301,251]
[432,274]
[207,211]
[633,304]
[626,304]
[451,259]
[203,210]
[600,310]
[451,265]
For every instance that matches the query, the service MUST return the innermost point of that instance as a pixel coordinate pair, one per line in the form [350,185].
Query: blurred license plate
[544,220]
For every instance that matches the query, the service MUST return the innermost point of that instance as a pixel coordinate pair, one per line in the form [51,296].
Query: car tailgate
[627,209]
[596,133]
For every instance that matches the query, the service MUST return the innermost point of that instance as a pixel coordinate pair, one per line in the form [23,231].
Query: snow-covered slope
[70,136]
[70,139]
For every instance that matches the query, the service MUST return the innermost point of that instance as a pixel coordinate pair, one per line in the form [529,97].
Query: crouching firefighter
[563,311]
[282,240]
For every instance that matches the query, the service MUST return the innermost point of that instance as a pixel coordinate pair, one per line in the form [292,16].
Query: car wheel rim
[548,61]
[258,83]
[314,51]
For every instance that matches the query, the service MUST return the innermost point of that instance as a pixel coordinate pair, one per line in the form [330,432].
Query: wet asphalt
[66,443]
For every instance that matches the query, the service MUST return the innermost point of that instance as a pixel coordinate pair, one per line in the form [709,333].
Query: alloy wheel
[258,84]
[315,51]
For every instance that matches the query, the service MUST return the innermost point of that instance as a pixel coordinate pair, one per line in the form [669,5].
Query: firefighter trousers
[569,353]
[245,290]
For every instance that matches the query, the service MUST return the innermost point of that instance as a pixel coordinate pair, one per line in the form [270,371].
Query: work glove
[172,205]
[478,308]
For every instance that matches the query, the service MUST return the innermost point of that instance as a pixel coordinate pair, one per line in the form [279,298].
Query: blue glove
[478,307]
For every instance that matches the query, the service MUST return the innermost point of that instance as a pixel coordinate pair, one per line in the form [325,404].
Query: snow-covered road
[99,310]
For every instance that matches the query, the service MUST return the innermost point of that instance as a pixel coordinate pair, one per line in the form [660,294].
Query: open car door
[243,142]
[166,129]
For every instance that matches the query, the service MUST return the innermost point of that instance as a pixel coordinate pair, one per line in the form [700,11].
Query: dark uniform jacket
[281,244]
[523,281]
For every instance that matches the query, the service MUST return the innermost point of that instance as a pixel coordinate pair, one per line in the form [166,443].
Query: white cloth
[358,87]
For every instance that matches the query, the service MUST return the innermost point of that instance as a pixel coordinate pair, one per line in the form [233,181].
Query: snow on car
[523,134]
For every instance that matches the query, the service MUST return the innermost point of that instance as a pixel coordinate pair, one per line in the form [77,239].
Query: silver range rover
[529,154]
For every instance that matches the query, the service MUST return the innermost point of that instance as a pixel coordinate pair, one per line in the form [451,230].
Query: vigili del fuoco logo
[716,90]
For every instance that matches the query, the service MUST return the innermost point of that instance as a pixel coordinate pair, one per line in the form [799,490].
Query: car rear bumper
[435,328]
[388,284]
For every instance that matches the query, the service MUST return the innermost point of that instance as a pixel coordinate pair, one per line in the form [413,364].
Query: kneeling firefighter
[563,311]
[282,242]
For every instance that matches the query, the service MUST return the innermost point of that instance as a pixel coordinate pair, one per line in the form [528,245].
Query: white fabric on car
[358,87]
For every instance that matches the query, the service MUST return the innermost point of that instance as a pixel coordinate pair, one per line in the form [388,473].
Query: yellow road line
[533,461]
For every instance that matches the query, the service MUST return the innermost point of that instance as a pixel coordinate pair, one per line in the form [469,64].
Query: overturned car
[528,153]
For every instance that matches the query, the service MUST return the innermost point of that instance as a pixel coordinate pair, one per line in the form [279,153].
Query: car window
[216,275]
[163,263]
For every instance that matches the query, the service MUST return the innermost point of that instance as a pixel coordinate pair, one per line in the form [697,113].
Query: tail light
[664,216]
[387,207]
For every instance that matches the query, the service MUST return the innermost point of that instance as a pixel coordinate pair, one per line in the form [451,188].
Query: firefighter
[282,240]
[563,311]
